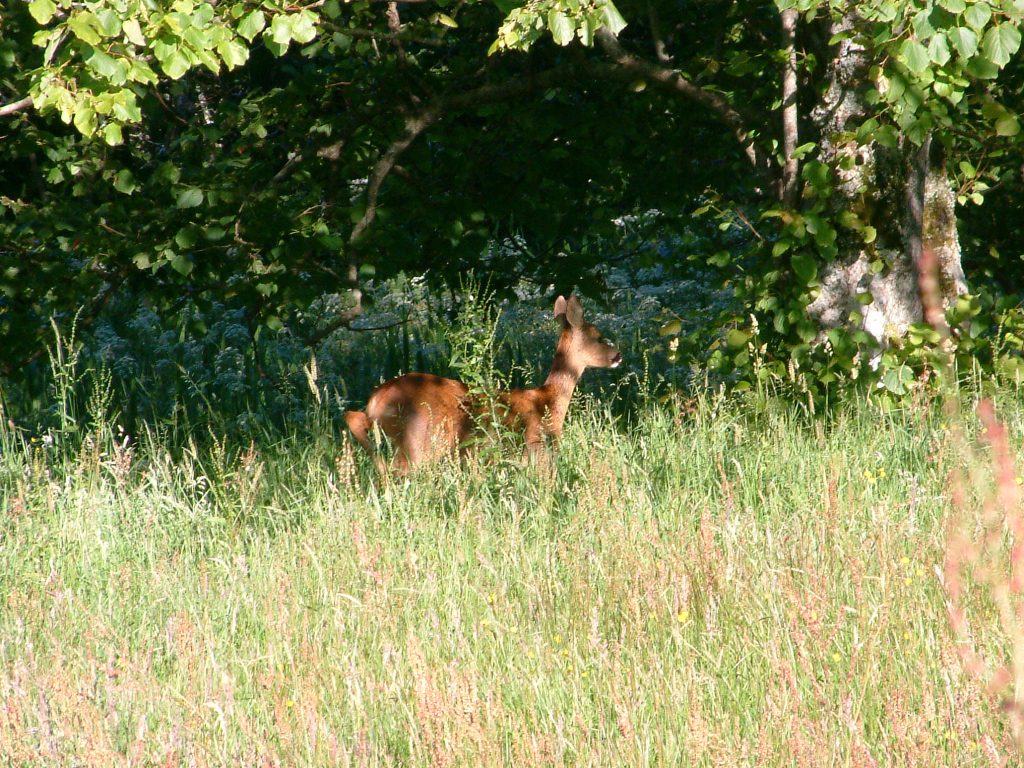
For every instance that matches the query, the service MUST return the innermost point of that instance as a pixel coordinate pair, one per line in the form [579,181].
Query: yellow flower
[557,639]
[919,573]
[881,471]
[290,703]
[908,581]
[491,598]
[904,560]
[682,616]
[836,658]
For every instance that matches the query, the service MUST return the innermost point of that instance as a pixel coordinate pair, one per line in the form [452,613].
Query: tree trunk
[883,186]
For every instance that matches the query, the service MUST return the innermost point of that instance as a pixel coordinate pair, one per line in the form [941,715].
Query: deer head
[581,342]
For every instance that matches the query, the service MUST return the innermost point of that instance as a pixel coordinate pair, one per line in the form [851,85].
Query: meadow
[717,581]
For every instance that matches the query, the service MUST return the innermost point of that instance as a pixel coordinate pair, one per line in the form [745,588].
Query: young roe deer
[425,415]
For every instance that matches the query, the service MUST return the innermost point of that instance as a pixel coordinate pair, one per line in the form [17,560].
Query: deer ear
[560,307]
[574,312]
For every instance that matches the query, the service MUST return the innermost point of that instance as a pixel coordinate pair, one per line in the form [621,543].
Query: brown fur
[427,416]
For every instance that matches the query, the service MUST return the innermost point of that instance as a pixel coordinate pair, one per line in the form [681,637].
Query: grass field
[714,584]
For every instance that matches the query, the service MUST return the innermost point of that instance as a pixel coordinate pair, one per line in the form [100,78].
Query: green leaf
[109,21]
[181,263]
[176,65]
[85,119]
[107,67]
[189,197]
[914,55]
[51,47]
[112,134]
[893,382]
[1000,43]
[187,236]
[671,328]
[955,7]
[978,15]
[982,68]
[303,26]
[446,21]
[133,32]
[964,40]
[42,10]
[273,322]
[85,27]
[281,30]
[124,182]
[562,31]
[612,18]
[233,53]
[252,25]
[736,338]
[887,136]
[938,49]
[870,233]
[805,267]
[1007,125]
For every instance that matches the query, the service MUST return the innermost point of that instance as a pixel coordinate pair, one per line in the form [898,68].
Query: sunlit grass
[715,585]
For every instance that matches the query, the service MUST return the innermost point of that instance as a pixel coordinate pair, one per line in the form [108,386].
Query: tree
[266,153]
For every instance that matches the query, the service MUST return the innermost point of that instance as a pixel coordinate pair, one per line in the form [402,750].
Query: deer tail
[359,424]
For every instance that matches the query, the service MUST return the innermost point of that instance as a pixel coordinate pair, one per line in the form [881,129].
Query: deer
[425,416]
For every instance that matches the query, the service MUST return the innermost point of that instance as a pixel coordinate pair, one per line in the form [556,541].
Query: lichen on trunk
[879,184]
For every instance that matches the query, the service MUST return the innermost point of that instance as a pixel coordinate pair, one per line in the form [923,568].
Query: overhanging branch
[674,81]
[16,106]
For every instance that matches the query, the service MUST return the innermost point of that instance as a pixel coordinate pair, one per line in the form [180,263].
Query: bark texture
[882,186]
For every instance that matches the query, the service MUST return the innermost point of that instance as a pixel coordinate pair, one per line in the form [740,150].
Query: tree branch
[674,81]
[790,128]
[16,106]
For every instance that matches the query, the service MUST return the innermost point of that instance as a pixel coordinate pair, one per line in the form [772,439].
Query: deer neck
[559,386]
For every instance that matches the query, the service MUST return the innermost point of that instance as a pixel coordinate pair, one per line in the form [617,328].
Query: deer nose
[616,360]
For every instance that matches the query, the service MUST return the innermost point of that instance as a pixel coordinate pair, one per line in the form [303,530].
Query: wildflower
[908,581]
[290,703]
[682,616]
[881,472]
[836,658]
[557,639]
[491,598]
[904,560]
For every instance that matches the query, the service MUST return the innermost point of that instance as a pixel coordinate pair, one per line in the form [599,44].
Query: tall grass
[712,585]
